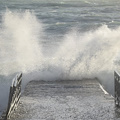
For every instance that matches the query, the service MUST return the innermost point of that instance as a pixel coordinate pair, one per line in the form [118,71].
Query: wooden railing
[14,96]
[117,88]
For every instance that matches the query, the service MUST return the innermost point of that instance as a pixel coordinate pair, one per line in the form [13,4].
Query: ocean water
[51,40]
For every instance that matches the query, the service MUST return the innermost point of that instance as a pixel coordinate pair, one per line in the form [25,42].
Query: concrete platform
[65,100]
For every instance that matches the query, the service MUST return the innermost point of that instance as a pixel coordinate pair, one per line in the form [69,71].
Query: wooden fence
[14,96]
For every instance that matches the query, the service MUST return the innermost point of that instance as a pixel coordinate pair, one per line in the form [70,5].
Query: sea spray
[20,36]
[80,55]
[88,54]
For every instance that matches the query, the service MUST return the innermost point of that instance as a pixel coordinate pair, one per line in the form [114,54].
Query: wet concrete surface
[65,100]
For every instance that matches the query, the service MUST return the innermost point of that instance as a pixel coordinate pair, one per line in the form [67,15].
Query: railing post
[117,88]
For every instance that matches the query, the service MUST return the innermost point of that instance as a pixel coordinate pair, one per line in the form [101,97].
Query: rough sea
[59,40]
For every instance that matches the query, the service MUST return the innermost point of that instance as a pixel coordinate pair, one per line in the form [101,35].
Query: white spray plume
[20,35]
